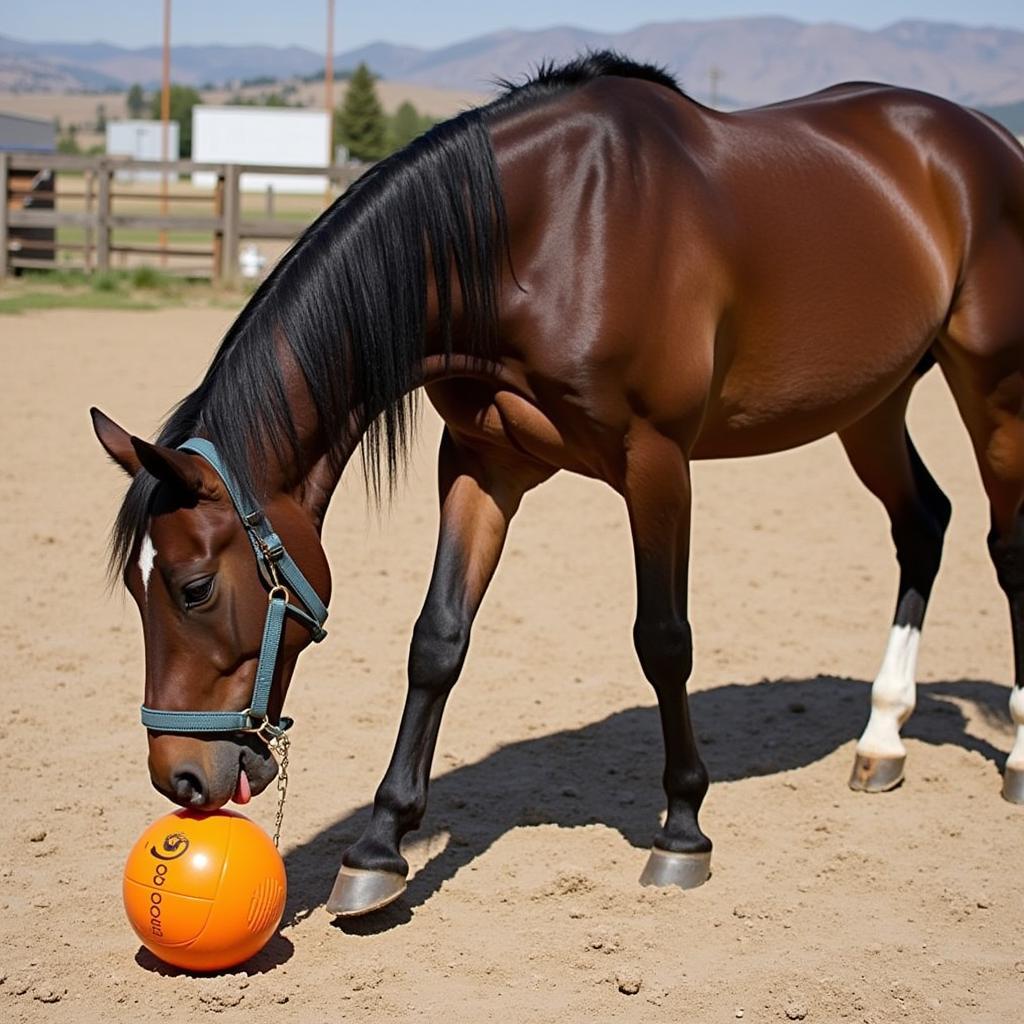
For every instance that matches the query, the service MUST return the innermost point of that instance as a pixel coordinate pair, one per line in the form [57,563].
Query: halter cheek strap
[284,579]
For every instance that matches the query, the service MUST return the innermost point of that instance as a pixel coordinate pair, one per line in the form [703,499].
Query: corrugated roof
[35,134]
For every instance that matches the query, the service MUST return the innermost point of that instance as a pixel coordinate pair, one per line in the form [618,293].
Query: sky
[432,23]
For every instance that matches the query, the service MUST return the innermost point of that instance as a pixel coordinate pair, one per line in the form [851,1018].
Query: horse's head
[195,578]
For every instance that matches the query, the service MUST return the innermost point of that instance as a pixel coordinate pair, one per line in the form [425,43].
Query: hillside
[757,59]
[1011,115]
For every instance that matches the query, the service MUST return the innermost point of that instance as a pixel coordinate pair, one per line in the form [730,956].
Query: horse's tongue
[243,794]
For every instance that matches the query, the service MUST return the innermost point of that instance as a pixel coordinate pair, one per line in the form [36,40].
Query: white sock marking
[147,555]
[1016,758]
[893,695]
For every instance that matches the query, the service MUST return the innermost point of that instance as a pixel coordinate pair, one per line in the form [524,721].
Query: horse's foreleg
[657,492]
[479,495]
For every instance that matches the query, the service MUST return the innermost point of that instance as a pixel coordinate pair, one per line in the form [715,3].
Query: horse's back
[860,207]
[773,274]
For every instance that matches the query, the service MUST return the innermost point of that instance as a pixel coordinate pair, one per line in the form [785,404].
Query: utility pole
[329,94]
[165,127]
[715,74]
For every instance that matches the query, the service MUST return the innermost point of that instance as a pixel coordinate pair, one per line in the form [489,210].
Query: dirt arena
[825,905]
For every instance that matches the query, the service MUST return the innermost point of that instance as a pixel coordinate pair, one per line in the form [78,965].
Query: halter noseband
[280,573]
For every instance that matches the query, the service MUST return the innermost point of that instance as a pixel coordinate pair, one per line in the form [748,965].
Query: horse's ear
[116,441]
[174,467]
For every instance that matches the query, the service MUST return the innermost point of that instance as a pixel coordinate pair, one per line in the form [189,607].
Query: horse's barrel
[204,891]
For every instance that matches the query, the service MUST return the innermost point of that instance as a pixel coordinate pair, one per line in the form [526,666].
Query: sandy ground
[824,905]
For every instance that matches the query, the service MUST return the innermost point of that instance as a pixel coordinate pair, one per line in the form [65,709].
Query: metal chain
[279,745]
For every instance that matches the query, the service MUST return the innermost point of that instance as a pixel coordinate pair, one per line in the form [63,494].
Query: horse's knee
[665,650]
[437,652]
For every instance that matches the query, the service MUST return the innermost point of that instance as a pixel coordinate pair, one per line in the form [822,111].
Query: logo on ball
[174,846]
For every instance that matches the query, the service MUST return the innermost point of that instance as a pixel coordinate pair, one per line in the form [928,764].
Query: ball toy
[204,891]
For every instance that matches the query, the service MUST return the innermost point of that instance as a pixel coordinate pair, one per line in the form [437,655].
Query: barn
[28,188]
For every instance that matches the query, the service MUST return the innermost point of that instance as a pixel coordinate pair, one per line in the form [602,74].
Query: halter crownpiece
[281,575]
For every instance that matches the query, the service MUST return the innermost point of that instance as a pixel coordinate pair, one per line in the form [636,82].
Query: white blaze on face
[893,695]
[147,555]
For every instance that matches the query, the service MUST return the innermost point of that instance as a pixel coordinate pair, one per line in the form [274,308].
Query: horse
[592,273]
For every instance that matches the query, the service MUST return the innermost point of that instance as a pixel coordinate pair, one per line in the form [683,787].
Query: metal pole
[3,215]
[329,94]
[165,129]
[715,74]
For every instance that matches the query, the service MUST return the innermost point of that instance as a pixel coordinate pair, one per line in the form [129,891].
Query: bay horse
[591,273]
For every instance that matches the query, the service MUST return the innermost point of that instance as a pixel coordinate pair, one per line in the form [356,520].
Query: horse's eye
[198,592]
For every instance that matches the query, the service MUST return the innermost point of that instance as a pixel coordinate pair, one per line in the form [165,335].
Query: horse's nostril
[188,788]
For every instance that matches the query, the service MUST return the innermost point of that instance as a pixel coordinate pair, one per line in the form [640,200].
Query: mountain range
[753,60]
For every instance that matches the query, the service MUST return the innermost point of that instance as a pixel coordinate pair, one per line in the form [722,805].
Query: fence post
[103,173]
[89,183]
[3,215]
[218,231]
[230,218]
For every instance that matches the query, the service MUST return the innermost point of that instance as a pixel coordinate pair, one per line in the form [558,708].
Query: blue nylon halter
[281,574]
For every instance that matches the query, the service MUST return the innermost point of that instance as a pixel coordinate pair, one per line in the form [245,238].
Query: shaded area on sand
[608,772]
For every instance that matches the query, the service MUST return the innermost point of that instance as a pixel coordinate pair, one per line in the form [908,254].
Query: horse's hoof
[1013,785]
[687,870]
[358,891]
[873,774]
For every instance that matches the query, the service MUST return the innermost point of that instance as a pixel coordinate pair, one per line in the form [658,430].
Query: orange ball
[204,891]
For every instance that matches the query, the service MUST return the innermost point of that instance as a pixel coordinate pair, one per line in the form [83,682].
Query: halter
[279,573]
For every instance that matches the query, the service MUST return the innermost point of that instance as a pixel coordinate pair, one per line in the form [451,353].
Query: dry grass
[79,109]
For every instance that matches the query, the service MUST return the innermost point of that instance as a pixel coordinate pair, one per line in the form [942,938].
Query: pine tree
[359,121]
[68,143]
[183,99]
[405,125]
[136,101]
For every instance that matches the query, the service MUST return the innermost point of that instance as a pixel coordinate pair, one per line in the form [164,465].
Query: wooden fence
[30,178]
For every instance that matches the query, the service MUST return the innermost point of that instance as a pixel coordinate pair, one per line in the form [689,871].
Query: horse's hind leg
[657,492]
[885,460]
[982,357]
[479,496]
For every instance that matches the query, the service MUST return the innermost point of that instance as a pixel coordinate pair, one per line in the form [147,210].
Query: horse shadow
[609,772]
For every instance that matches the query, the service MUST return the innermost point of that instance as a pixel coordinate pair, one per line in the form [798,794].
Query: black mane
[550,79]
[358,277]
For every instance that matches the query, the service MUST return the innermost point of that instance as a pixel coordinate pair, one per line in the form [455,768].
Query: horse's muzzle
[202,773]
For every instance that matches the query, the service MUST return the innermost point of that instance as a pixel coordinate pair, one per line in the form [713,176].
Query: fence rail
[29,235]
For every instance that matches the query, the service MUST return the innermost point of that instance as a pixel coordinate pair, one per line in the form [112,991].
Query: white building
[281,136]
[141,140]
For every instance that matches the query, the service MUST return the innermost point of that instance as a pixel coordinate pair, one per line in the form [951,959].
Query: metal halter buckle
[266,730]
